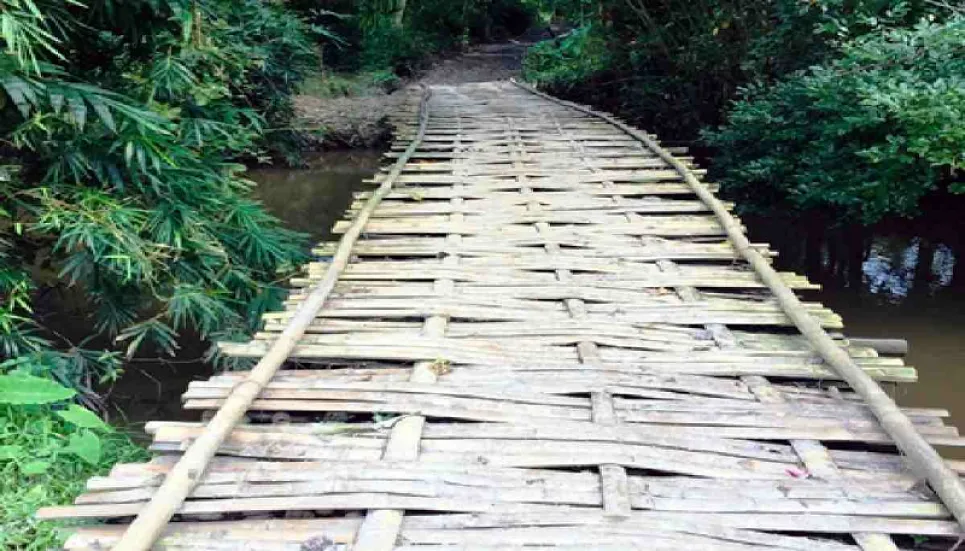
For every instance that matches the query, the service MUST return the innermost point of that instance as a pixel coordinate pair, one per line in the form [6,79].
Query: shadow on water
[309,200]
[892,281]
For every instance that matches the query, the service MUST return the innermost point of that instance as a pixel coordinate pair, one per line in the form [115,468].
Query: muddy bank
[361,121]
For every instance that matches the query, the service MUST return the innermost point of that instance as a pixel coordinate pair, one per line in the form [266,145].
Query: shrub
[400,35]
[120,197]
[866,135]
[121,193]
[675,67]
[48,449]
[569,60]
[401,50]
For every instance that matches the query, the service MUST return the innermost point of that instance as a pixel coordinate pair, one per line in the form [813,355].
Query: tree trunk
[856,257]
[399,15]
[814,249]
[833,269]
[923,265]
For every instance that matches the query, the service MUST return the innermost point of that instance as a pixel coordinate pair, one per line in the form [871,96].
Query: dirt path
[360,121]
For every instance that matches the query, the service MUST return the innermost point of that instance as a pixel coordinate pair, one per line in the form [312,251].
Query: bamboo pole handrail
[185,475]
[923,458]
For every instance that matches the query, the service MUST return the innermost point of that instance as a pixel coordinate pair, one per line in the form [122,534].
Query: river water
[905,286]
[898,285]
[313,198]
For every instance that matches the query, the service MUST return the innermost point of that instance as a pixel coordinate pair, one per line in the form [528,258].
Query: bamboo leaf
[78,109]
[105,115]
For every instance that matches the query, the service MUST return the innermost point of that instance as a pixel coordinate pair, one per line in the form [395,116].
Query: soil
[362,121]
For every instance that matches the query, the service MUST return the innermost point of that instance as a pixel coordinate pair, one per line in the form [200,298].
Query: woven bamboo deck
[544,340]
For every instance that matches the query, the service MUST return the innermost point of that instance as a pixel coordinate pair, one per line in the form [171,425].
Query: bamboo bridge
[540,330]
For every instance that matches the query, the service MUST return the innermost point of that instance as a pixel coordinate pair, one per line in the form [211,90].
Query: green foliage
[119,187]
[82,418]
[328,84]
[568,60]
[48,448]
[669,66]
[47,452]
[802,34]
[866,135]
[122,200]
[387,46]
[399,35]
[869,142]
[676,66]
[579,12]
[24,389]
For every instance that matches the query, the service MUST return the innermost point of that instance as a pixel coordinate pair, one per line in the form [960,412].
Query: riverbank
[356,115]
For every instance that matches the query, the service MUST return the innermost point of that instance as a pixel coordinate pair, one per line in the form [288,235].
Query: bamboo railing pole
[923,458]
[184,476]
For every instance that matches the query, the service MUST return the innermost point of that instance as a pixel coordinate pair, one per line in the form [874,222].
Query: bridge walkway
[543,339]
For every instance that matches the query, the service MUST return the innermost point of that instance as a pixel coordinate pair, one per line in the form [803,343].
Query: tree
[819,122]
[864,136]
[121,121]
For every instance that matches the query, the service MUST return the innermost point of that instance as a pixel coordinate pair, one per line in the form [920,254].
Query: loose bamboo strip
[152,518]
[291,534]
[249,477]
[700,451]
[925,460]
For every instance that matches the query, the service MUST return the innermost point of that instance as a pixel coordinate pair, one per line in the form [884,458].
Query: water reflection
[888,262]
[891,283]
[895,265]
[313,198]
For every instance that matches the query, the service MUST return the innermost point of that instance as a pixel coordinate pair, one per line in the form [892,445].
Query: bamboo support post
[922,457]
[185,475]
[890,347]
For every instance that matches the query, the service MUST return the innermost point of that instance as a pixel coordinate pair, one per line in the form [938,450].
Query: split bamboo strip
[381,527]
[151,519]
[923,458]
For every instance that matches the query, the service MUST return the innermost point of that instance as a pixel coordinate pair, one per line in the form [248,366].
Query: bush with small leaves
[862,137]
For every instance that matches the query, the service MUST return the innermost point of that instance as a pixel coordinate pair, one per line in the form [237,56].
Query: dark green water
[313,198]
